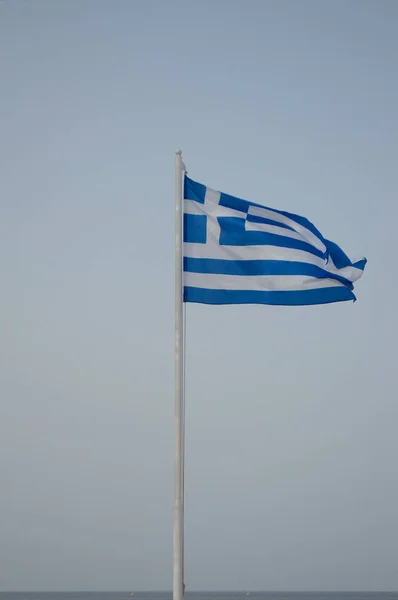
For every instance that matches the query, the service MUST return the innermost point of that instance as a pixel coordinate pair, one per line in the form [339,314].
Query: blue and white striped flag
[239,252]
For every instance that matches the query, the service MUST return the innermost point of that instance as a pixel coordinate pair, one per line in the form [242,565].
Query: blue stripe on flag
[259,267]
[256,219]
[195,228]
[236,203]
[194,191]
[233,233]
[360,264]
[337,255]
[283,298]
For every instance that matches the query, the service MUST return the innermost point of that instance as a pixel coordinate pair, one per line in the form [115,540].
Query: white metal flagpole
[178,522]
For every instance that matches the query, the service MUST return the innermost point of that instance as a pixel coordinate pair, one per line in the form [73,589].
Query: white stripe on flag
[250,226]
[195,208]
[257,282]
[214,250]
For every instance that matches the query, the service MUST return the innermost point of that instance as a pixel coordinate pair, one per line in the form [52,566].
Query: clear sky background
[291,412]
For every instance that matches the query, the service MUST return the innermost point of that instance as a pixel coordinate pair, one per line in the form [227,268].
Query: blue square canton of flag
[239,252]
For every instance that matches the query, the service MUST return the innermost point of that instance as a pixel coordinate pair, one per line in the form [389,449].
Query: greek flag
[239,252]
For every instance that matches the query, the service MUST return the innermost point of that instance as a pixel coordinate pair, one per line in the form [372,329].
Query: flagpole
[178,520]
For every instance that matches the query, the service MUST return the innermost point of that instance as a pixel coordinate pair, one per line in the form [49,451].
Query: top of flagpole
[179,159]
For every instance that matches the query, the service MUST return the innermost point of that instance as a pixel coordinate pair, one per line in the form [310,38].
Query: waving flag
[239,252]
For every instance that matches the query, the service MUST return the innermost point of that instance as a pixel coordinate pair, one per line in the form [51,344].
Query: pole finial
[180,161]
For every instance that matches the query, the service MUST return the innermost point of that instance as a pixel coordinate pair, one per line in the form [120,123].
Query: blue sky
[291,438]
